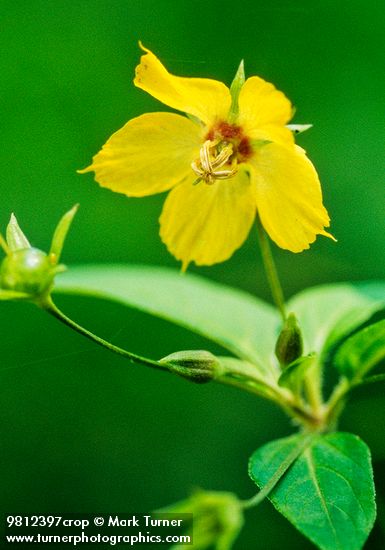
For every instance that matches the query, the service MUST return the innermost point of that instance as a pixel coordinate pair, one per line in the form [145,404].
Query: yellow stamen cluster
[213,156]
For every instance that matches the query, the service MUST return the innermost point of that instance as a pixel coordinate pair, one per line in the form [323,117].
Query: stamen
[214,155]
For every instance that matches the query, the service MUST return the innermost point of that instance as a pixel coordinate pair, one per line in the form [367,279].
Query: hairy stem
[49,306]
[243,378]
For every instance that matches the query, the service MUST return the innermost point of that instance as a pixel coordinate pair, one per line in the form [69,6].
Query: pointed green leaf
[60,233]
[15,237]
[330,312]
[234,319]
[328,493]
[362,352]
[235,89]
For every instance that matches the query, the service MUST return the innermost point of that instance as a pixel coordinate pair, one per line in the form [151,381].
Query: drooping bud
[27,272]
[289,346]
[198,366]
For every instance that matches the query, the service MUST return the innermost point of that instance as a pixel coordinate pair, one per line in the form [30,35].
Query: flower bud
[196,365]
[289,345]
[217,516]
[29,271]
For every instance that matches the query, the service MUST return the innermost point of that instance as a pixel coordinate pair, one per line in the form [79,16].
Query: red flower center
[234,135]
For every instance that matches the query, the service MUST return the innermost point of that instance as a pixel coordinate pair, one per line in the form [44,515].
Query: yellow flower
[233,157]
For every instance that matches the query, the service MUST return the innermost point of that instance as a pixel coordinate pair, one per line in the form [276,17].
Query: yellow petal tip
[84,170]
[329,235]
[142,47]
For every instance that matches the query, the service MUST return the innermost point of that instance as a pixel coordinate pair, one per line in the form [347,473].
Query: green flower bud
[29,271]
[217,517]
[196,365]
[289,346]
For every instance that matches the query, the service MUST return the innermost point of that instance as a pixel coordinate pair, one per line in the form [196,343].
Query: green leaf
[362,352]
[330,312]
[328,493]
[234,319]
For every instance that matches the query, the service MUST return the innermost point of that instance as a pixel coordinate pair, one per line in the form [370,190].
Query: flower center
[225,147]
[213,157]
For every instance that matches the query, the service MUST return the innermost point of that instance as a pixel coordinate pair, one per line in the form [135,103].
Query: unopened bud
[218,518]
[29,271]
[196,365]
[289,345]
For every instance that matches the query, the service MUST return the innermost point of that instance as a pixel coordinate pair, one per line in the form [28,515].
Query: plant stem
[284,466]
[271,270]
[48,305]
[241,378]
[336,402]
[256,387]
[313,388]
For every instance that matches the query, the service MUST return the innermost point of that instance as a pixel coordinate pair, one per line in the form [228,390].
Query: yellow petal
[272,132]
[262,108]
[205,224]
[207,99]
[150,154]
[289,197]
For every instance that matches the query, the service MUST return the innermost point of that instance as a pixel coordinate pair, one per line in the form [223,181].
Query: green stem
[313,388]
[48,305]
[336,401]
[271,270]
[244,379]
[240,378]
[280,398]
[282,469]
[370,380]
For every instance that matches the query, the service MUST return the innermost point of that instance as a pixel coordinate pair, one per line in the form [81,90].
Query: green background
[81,430]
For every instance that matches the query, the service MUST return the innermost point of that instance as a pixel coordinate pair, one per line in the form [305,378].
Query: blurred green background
[81,430]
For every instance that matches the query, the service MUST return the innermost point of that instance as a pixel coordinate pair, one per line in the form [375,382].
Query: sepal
[27,273]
